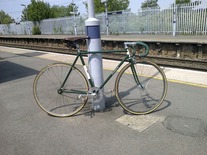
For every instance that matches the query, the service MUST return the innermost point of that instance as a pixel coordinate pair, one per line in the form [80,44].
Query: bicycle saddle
[72,41]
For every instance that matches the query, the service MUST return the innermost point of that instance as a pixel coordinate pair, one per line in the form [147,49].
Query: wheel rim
[135,99]
[51,98]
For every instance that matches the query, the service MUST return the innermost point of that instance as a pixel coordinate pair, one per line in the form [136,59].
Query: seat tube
[86,71]
[66,78]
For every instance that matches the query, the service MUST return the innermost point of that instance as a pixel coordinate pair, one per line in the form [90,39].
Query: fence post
[106,16]
[174,20]
[95,60]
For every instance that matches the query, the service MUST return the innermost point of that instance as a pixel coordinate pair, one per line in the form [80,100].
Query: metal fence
[188,19]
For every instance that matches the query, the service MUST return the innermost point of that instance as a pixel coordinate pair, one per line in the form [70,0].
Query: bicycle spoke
[146,94]
[46,90]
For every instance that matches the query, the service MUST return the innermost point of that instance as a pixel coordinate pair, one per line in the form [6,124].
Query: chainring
[95,94]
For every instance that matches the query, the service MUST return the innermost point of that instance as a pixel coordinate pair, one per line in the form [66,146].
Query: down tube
[114,71]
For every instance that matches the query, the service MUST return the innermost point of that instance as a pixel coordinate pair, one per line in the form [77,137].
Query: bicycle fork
[134,72]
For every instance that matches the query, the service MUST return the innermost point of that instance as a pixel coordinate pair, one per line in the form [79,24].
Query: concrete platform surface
[178,126]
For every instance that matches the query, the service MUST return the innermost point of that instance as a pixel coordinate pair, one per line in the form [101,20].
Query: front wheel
[141,87]
[55,101]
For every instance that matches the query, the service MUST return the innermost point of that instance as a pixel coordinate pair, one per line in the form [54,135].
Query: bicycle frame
[127,58]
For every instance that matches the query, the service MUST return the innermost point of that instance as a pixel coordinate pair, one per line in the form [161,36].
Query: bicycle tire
[48,82]
[135,99]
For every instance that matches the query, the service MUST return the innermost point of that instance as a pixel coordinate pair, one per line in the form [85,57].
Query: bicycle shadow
[111,102]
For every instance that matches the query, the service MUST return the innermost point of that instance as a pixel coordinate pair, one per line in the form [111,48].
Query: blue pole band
[93,32]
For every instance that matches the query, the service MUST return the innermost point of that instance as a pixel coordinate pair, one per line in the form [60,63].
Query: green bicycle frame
[127,58]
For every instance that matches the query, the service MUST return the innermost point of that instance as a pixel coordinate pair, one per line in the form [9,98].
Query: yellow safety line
[175,81]
[188,83]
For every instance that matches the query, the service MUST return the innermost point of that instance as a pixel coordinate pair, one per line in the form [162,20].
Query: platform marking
[70,58]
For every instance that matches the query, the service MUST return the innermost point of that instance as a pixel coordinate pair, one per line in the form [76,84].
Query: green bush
[36,30]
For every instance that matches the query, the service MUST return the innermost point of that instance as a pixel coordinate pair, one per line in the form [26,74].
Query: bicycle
[62,89]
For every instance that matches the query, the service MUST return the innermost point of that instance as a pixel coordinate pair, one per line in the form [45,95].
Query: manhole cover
[186,126]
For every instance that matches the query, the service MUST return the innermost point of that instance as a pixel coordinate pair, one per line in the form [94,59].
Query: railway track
[164,61]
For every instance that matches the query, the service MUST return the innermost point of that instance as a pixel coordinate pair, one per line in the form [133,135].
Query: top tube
[103,51]
[127,45]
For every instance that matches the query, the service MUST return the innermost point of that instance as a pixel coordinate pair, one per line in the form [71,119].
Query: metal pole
[74,21]
[1,20]
[147,16]
[95,60]
[174,20]
[75,26]
[107,20]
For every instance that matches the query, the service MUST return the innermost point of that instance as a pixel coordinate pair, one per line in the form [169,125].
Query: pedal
[111,91]
[82,97]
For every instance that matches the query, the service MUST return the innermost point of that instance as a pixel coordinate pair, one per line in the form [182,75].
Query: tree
[5,18]
[24,15]
[72,7]
[58,11]
[36,11]
[39,10]
[182,1]
[178,2]
[62,11]
[150,4]
[112,5]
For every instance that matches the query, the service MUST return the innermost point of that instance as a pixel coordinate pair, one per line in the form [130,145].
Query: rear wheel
[51,99]
[143,94]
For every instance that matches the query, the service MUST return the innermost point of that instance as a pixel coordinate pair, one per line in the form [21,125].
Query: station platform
[193,39]
[178,126]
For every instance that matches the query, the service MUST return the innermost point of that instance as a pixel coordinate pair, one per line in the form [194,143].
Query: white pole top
[91,12]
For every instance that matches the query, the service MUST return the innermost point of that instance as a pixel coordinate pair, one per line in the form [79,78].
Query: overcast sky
[14,8]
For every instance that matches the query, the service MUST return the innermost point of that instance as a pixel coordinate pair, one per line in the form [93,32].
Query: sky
[14,8]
